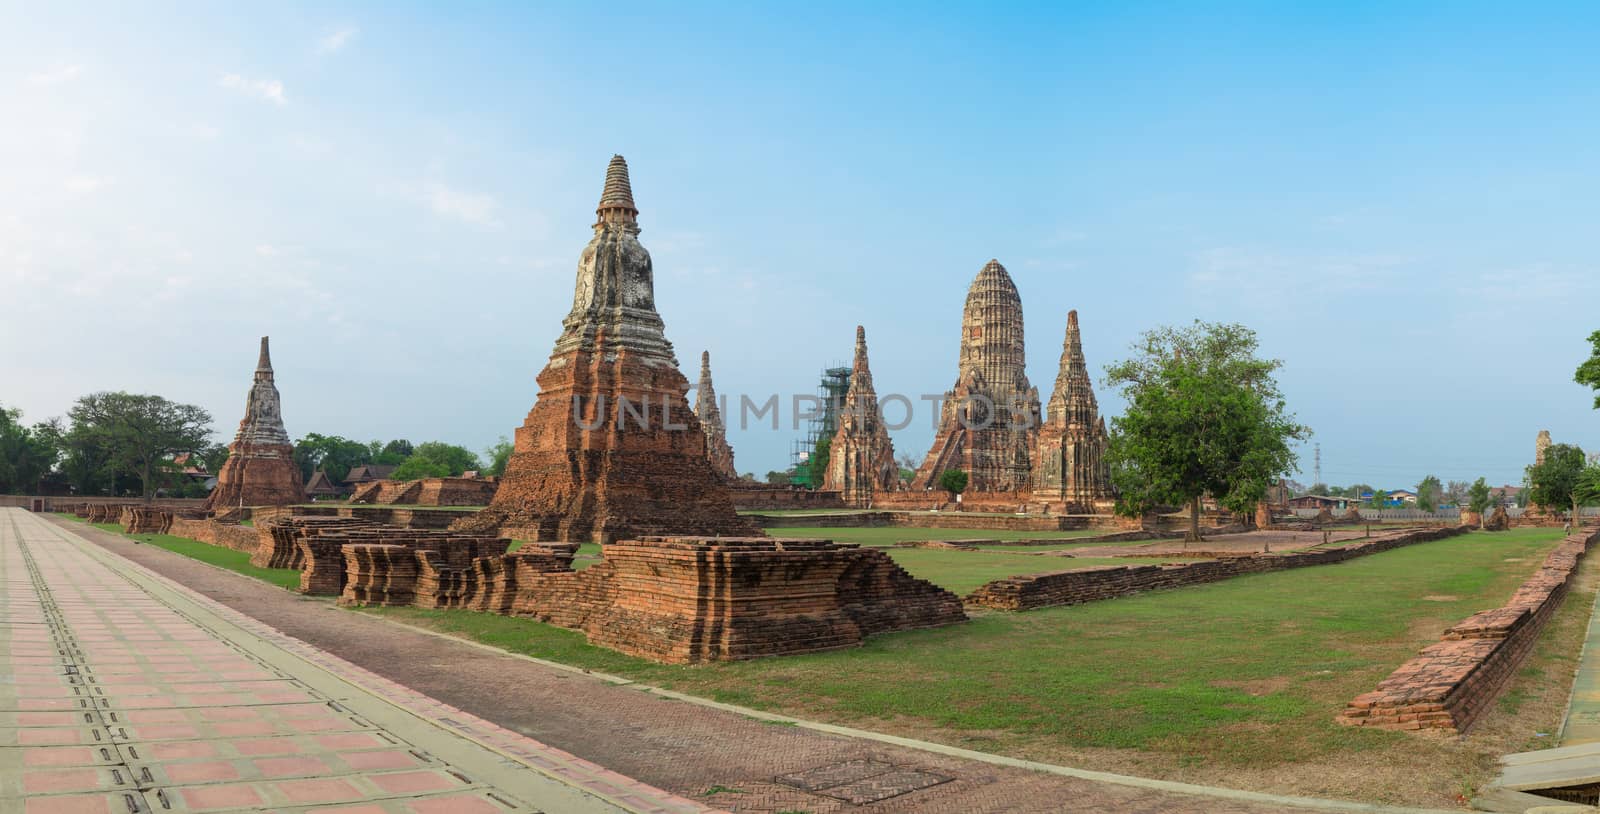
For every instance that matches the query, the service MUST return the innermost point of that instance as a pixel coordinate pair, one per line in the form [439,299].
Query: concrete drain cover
[860,782]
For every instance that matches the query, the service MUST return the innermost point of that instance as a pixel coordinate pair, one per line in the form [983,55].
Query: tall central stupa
[990,419]
[611,448]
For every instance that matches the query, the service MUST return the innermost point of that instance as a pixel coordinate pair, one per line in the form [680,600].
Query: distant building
[368,473]
[322,486]
[1402,496]
[1322,502]
[194,469]
[1505,495]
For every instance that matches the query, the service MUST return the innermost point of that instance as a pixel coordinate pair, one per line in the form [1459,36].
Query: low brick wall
[402,516]
[1031,591]
[948,520]
[211,532]
[1450,683]
[778,497]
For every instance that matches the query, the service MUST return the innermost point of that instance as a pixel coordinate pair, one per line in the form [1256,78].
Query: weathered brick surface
[1076,587]
[217,533]
[427,492]
[677,600]
[146,520]
[989,422]
[1070,472]
[611,448]
[861,461]
[260,470]
[707,408]
[1450,683]
[685,600]
[325,566]
[783,497]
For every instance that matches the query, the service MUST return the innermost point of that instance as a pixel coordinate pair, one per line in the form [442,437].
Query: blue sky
[1400,198]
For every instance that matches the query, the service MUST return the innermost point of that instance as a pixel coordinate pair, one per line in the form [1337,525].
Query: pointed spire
[616,200]
[705,365]
[265,362]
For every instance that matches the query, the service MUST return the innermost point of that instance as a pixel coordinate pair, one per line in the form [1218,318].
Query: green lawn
[1245,674]
[217,555]
[889,535]
[963,571]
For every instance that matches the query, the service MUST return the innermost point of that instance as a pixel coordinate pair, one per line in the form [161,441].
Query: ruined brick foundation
[1450,684]
[677,600]
[1031,591]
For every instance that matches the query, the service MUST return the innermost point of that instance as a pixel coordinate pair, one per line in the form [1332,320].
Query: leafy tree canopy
[26,453]
[1558,482]
[499,455]
[330,453]
[139,434]
[1204,417]
[953,481]
[1589,372]
[1479,496]
[1428,494]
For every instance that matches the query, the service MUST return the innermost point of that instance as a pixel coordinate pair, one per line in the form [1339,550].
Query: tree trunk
[1194,522]
[149,494]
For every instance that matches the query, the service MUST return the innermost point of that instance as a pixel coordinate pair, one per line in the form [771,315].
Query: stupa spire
[861,458]
[264,364]
[616,200]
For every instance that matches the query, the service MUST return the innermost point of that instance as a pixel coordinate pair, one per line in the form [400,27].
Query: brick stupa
[990,419]
[260,470]
[709,411]
[1070,470]
[611,449]
[861,456]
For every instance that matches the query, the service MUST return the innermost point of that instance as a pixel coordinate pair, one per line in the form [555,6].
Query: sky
[1400,198]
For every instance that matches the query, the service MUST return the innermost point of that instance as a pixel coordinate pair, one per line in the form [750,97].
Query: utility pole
[1316,471]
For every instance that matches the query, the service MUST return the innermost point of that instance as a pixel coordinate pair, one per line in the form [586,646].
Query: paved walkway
[726,759]
[123,693]
[1583,713]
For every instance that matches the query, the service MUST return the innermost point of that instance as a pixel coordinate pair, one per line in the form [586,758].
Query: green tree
[776,478]
[26,453]
[817,464]
[1428,494]
[1479,496]
[330,453]
[140,433]
[1204,417]
[953,481]
[436,459]
[1319,489]
[1380,498]
[1455,492]
[456,459]
[1589,372]
[499,455]
[1559,481]
[417,467]
[394,452]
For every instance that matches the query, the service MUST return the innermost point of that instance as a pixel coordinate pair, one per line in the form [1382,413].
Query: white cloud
[88,183]
[268,89]
[56,75]
[335,42]
[471,207]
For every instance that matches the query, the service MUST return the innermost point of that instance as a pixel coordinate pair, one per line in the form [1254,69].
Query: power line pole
[1316,471]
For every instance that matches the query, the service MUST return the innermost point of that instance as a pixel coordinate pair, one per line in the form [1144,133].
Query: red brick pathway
[120,699]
